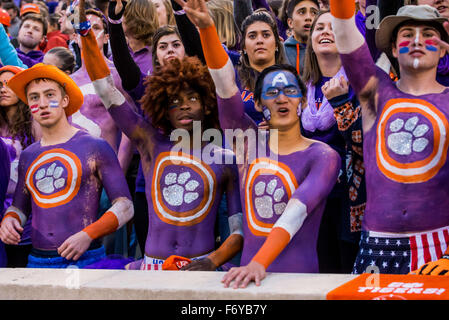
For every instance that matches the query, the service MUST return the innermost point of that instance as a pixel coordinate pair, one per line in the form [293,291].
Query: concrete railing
[78,284]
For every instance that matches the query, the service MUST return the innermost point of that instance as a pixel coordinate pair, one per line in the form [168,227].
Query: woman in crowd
[338,241]
[164,12]
[62,58]
[261,48]
[17,132]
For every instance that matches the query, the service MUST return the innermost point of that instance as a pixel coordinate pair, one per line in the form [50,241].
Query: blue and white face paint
[280,81]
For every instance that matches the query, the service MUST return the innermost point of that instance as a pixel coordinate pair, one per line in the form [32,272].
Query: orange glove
[175,263]
[435,268]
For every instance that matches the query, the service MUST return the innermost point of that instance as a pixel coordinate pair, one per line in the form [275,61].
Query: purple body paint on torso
[183,190]
[405,153]
[61,186]
[267,183]
[93,117]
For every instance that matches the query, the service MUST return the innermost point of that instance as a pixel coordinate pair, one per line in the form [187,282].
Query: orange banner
[372,286]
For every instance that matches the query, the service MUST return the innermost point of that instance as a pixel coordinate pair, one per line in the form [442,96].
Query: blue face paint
[280,81]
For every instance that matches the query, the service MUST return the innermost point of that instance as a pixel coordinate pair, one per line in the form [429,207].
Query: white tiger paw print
[47,181]
[180,189]
[407,136]
[270,203]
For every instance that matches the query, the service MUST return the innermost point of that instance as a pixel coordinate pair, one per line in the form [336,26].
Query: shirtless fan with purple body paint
[405,124]
[184,189]
[61,176]
[284,177]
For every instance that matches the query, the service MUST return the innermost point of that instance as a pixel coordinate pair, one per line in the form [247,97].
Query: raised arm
[355,57]
[231,109]
[132,124]
[189,34]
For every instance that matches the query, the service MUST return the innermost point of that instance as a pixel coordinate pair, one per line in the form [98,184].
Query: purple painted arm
[323,172]
[141,133]
[111,173]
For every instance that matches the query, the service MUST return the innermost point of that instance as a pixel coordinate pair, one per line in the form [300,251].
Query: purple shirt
[61,185]
[143,58]
[306,175]
[405,152]
[31,58]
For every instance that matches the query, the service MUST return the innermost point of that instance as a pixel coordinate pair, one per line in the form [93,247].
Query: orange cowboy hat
[19,82]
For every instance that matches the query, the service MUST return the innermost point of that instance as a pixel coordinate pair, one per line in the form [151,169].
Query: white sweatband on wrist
[108,92]
[236,223]
[293,217]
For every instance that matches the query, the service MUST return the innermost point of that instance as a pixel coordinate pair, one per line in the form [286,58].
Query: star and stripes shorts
[400,253]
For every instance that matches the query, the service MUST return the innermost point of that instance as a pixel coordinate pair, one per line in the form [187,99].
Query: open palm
[197,12]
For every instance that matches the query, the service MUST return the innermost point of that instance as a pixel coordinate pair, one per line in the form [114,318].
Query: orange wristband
[107,224]
[92,58]
[214,53]
[12,215]
[276,241]
[342,9]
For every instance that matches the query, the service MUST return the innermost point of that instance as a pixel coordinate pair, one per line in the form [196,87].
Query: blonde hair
[222,12]
[141,20]
[170,16]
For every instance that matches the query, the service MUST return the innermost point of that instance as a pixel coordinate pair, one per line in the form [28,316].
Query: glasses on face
[289,91]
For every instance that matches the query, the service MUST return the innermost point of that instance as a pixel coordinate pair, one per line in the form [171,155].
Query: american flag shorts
[399,254]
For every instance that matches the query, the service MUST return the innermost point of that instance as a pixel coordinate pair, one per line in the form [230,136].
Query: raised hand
[242,276]
[116,9]
[197,12]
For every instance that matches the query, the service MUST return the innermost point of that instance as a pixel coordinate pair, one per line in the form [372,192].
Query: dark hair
[65,56]
[20,126]
[246,73]
[38,18]
[312,71]
[293,3]
[11,5]
[53,20]
[166,82]
[277,67]
[161,32]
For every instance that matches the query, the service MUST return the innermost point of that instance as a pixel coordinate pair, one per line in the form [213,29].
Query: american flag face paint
[430,45]
[403,47]
[34,108]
